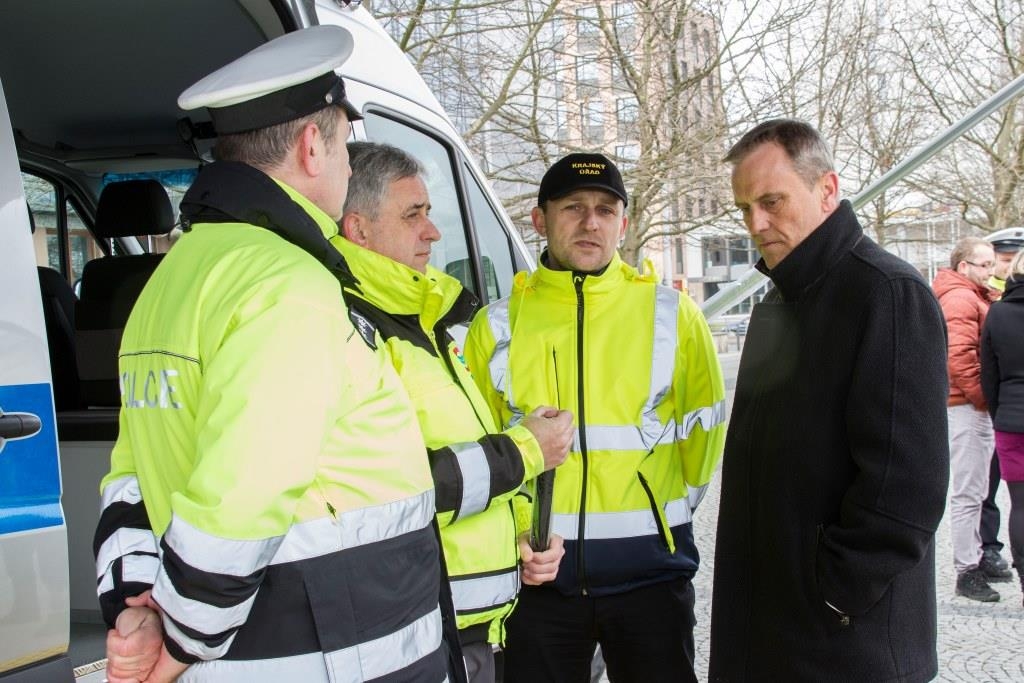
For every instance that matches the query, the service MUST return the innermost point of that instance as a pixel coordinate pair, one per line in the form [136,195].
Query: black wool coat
[1002,359]
[835,472]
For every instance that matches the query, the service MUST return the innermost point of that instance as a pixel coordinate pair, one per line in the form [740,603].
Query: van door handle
[18,426]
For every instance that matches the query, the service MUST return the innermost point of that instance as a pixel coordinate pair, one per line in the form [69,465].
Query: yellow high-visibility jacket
[273,455]
[477,469]
[635,363]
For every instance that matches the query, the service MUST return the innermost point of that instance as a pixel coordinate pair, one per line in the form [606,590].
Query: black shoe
[995,567]
[994,558]
[973,586]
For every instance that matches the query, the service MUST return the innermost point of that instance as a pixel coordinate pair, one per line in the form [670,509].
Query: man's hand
[135,646]
[554,431]
[167,669]
[540,567]
[135,642]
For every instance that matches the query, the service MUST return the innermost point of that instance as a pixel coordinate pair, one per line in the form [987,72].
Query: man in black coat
[836,461]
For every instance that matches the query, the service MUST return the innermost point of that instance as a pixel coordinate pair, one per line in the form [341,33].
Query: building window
[586,71]
[588,21]
[679,254]
[628,153]
[627,110]
[714,251]
[740,251]
[560,127]
[592,116]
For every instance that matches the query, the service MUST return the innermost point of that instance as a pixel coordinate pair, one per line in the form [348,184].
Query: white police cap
[282,80]
[1007,240]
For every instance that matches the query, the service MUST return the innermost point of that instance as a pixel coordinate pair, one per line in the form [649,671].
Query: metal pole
[748,283]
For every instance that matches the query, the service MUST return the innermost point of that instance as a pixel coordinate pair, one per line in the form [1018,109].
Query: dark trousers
[646,635]
[989,527]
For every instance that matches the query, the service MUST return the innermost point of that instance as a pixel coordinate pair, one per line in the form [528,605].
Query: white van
[94,155]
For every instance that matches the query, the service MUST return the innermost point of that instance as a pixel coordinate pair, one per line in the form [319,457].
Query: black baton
[540,536]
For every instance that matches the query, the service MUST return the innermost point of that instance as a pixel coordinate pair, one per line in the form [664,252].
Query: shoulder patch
[367,330]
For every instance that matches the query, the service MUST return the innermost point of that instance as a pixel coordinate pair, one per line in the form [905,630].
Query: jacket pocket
[659,515]
[835,620]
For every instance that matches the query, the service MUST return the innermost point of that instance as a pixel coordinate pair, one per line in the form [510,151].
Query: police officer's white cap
[1007,240]
[282,80]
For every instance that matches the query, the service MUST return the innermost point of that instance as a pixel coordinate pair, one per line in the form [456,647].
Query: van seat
[111,284]
[59,317]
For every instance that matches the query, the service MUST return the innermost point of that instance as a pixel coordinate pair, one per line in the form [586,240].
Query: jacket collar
[817,254]
[563,281]
[232,192]
[397,289]
[1014,290]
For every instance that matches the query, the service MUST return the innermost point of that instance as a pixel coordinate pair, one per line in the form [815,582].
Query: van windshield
[176,182]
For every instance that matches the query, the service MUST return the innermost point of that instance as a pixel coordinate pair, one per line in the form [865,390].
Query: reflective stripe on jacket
[477,469]
[275,458]
[635,364]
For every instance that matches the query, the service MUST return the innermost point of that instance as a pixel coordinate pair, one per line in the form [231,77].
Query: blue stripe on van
[29,470]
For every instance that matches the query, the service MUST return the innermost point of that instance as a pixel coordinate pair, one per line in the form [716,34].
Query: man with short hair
[836,464]
[635,363]
[965,296]
[477,469]
[266,446]
[1006,243]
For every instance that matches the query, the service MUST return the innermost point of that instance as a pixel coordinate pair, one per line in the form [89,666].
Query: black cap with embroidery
[282,80]
[581,172]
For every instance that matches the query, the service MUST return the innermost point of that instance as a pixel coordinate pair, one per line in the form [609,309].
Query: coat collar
[817,254]
[1014,290]
[613,275]
[399,290]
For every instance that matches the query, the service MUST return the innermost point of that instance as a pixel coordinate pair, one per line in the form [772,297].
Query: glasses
[987,265]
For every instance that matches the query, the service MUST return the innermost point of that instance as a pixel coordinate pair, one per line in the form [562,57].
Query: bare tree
[840,65]
[960,54]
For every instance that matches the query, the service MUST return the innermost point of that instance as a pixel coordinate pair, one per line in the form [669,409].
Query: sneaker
[993,557]
[995,567]
[973,586]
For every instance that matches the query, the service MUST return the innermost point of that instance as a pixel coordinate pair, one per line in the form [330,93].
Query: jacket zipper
[581,569]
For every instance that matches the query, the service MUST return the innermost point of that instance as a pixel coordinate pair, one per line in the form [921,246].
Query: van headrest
[133,207]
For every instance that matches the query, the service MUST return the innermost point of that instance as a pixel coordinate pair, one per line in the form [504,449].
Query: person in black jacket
[836,461]
[1002,381]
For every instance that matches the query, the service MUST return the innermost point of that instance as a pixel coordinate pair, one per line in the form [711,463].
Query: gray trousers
[479,658]
[971,441]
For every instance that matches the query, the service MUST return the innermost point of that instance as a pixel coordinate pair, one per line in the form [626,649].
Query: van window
[495,248]
[451,254]
[61,239]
